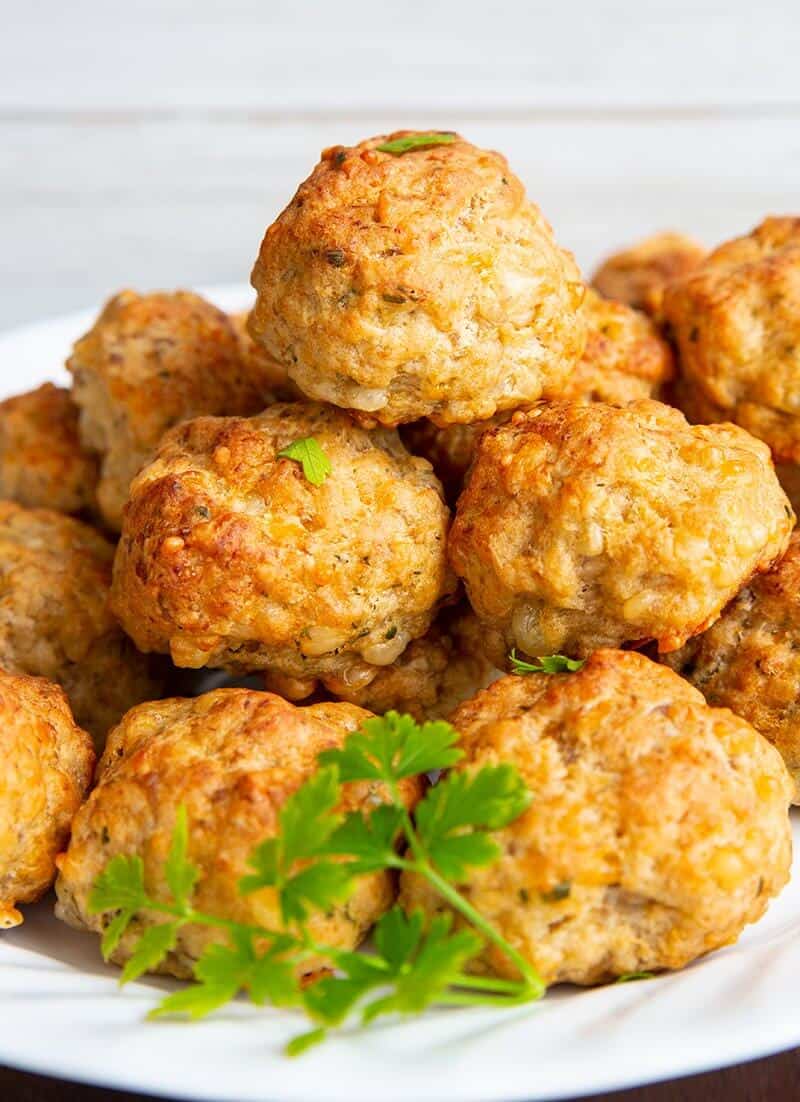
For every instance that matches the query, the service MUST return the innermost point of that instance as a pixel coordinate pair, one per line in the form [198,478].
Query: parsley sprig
[551,663]
[398,146]
[313,863]
[309,454]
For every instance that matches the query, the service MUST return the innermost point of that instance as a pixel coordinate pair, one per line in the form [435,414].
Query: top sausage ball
[625,358]
[418,285]
[55,574]
[42,461]
[585,525]
[638,275]
[147,363]
[657,831]
[232,758]
[736,320]
[231,557]
[749,660]
[46,765]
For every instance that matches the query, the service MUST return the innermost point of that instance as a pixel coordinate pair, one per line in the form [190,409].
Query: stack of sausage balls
[429,456]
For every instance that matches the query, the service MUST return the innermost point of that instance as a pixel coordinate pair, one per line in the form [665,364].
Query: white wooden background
[148,143]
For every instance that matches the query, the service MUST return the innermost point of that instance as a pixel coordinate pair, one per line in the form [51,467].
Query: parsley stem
[422,865]
[456,998]
[530,976]
[491,983]
[187,915]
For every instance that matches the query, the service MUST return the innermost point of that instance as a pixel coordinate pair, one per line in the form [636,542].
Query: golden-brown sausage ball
[584,526]
[658,828]
[147,363]
[625,358]
[749,660]
[232,758]
[736,320]
[42,461]
[46,764]
[55,575]
[231,558]
[433,674]
[638,275]
[418,285]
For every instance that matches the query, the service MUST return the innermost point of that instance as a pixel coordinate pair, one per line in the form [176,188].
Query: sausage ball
[46,764]
[147,363]
[433,674]
[749,660]
[584,526]
[232,758]
[638,275]
[658,828]
[42,461]
[55,575]
[625,358]
[423,284]
[230,557]
[736,321]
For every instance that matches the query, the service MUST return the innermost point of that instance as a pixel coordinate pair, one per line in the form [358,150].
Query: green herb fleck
[631,977]
[415,141]
[315,463]
[552,663]
[559,893]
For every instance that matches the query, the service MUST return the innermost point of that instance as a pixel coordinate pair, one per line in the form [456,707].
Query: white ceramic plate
[63,1014]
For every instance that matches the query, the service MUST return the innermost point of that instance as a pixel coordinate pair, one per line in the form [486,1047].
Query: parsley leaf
[119,887]
[392,747]
[415,141]
[492,797]
[153,946]
[321,885]
[308,453]
[307,821]
[552,663]
[114,932]
[370,839]
[181,875]
[434,962]
[631,977]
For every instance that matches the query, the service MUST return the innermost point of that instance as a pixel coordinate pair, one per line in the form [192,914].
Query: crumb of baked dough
[46,764]
[584,526]
[421,285]
[232,758]
[658,828]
